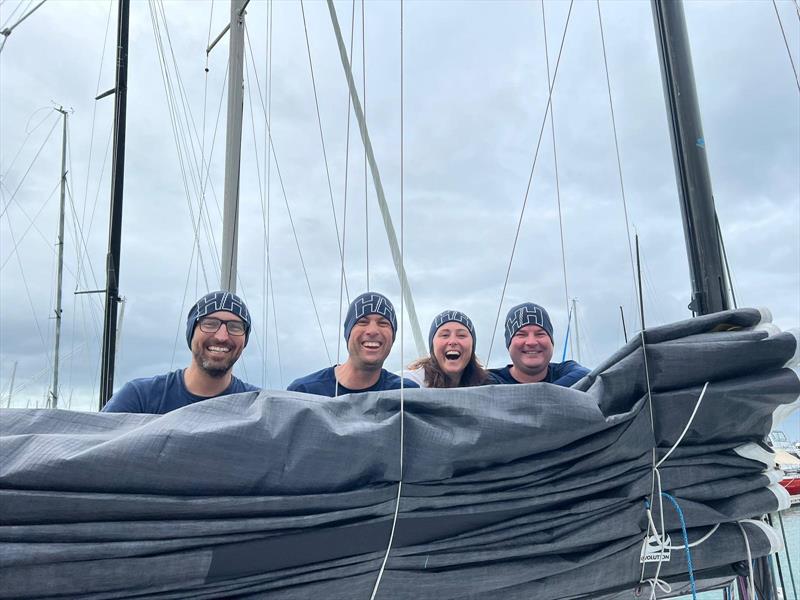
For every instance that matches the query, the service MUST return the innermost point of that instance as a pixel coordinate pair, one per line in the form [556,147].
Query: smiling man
[217,330]
[369,330]
[529,339]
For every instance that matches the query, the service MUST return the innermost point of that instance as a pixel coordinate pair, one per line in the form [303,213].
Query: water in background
[791,523]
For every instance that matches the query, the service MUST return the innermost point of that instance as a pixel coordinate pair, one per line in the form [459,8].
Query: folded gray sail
[508,491]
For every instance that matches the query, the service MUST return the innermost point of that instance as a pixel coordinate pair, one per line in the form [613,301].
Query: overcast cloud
[475,90]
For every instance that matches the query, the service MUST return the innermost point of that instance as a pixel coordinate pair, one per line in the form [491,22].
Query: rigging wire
[786,43]
[6,31]
[188,168]
[364,110]
[728,273]
[203,163]
[79,241]
[191,128]
[196,227]
[30,299]
[28,133]
[275,322]
[41,373]
[261,187]
[555,165]
[31,225]
[79,238]
[82,255]
[96,202]
[189,146]
[324,151]
[342,279]
[530,180]
[269,283]
[14,12]
[788,554]
[291,219]
[264,210]
[616,150]
[94,117]
[30,166]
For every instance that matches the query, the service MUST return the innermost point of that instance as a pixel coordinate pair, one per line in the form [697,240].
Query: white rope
[658,583]
[656,476]
[685,429]
[691,545]
[751,579]
[656,491]
[402,320]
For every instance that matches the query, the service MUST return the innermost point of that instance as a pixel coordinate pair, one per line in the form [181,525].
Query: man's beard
[214,368]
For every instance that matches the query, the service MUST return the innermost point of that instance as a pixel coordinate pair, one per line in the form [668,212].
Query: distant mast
[115,217]
[52,400]
[233,147]
[709,289]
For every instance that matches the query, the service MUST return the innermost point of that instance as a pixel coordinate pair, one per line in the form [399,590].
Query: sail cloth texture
[527,491]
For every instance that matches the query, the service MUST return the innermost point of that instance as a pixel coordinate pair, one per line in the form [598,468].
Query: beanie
[524,314]
[369,303]
[213,302]
[448,316]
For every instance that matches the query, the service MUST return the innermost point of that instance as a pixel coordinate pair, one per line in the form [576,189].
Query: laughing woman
[452,362]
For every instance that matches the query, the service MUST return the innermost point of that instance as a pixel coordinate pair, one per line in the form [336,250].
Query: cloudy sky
[474,87]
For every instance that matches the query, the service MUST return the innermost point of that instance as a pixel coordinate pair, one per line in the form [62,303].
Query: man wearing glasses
[217,329]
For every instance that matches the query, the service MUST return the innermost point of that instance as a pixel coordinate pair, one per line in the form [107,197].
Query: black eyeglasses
[212,325]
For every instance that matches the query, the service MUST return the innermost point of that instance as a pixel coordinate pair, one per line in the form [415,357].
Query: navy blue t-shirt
[163,393]
[323,383]
[564,374]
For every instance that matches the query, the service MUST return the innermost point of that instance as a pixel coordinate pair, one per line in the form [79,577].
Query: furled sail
[527,491]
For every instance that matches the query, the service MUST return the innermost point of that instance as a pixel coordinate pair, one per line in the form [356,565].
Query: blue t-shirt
[323,383]
[163,393]
[564,374]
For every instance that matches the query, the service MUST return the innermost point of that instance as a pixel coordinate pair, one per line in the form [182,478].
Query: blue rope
[566,337]
[685,542]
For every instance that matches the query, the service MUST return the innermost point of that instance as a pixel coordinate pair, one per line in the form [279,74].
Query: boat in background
[787,458]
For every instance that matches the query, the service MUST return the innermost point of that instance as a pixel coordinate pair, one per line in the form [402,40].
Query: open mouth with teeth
[452,355]
[371,345]
[219,349]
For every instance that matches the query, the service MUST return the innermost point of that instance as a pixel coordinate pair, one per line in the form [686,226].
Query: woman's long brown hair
[473,374]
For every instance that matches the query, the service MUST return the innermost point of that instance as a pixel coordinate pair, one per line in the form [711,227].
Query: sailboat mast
[52,401]
[701,229]
[233,147]
[115,216]
[706,268]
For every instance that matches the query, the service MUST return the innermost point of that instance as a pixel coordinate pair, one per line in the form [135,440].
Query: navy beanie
[524,314]
[213,302]
[369,303]
[448,316]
